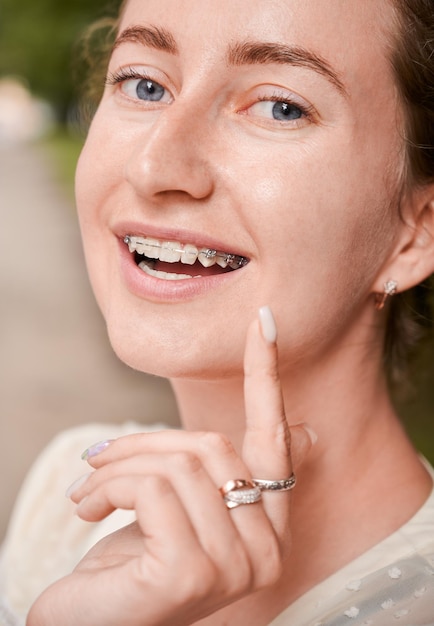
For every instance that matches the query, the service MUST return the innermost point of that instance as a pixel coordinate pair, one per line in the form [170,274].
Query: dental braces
[234,261]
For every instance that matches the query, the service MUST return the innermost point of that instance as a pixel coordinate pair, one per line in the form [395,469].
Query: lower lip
[159,290]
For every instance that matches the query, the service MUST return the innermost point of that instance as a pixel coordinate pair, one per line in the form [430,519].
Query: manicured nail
[268,325]
[96,449]
[76,484]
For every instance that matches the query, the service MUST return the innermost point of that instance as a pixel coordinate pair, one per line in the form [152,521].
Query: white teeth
[148,247]
[189,254]
[170,252]
[207,257]
[165,275]
[174,251]
[222,261]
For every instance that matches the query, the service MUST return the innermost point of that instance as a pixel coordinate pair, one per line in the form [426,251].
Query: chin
[170,354]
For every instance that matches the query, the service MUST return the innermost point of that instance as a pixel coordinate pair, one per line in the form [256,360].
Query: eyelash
[126,73]
[129,73]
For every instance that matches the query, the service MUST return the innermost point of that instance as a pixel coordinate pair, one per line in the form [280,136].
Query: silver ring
[286,484]
[237,492]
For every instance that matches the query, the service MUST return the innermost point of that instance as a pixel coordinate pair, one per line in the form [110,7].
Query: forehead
[348,30]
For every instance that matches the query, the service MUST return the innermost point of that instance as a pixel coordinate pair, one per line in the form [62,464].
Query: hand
[187,555]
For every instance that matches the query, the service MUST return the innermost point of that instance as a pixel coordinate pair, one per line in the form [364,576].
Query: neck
[340,408]
[212,406]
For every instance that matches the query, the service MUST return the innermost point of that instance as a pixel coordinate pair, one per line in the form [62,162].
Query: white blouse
[392,583]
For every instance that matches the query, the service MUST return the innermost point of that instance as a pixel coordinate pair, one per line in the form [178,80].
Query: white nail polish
[76,484]
[268,325]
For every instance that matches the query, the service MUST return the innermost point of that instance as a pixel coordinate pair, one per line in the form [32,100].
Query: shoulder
[45,540]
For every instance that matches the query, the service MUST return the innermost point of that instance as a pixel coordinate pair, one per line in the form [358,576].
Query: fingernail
[80,506]
[312,434]
[268,325]
[96,449]
[76,484]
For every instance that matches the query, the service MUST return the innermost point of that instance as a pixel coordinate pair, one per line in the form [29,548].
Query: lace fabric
[401,593]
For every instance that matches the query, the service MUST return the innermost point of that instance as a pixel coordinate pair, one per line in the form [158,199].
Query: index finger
[267,441]
[270,446]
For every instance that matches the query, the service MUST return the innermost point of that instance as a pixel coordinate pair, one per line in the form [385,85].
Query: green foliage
[37,43]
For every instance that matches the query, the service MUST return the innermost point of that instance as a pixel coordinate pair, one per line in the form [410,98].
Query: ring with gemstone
[239,491]
[285,484]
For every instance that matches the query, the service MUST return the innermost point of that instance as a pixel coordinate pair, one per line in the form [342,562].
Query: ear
[412,258]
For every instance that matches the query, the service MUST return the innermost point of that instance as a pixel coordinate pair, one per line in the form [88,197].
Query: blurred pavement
[56,366]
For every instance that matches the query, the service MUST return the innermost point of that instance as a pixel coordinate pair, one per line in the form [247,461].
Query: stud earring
[389,290]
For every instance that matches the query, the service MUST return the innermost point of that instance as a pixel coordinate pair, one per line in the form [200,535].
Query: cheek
[325,223]
[99,166]
[309,215]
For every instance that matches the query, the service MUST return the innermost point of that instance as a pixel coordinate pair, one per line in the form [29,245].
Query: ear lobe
[413,258]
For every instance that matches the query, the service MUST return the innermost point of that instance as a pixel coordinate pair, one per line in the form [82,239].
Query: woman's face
[264,130]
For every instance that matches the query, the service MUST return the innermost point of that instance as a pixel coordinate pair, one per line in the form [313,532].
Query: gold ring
[239,491]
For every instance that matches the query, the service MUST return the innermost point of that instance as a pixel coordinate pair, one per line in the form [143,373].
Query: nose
[171,157]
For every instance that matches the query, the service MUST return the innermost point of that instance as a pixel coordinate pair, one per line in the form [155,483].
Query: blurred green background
[37,44]
[37,41]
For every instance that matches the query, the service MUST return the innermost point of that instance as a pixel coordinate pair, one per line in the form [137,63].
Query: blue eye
[137,86]
[283,111]
[278,110]
[144,89]
[287,111]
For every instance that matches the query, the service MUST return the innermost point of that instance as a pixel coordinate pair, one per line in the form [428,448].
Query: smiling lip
[166,281]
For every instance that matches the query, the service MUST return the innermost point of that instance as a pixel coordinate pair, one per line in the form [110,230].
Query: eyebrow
[150,36]
[256,52]
[245,53]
